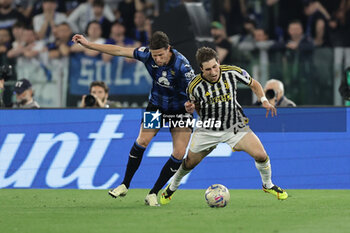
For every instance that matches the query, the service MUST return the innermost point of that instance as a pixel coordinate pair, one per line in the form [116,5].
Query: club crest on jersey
[142,49]
[163,81]
[227,86]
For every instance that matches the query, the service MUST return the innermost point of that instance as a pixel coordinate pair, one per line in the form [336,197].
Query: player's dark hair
[205,54]
[100,84]
[159,40]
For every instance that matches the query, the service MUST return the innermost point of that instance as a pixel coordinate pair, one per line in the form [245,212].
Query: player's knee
[142,142]
[179,154]
[260,156]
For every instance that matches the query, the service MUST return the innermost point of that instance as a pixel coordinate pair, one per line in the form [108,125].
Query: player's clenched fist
[190,107]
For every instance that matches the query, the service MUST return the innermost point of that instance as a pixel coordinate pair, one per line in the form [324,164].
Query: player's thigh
[181,137]
[251,144]
[145,136]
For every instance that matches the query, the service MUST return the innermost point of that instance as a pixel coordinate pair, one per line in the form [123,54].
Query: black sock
[167,172]
[134,161]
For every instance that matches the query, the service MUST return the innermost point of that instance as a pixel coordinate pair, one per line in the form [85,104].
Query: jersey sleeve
[190,88]
[142,53]
[186,75]
[243,77]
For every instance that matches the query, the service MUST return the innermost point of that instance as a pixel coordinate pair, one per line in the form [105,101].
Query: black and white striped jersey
[217,101]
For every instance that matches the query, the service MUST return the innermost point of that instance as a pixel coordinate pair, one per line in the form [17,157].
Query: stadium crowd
[35,35]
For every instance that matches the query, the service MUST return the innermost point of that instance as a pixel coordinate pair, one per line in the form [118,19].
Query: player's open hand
[269,107]
[80,39]
[190,107]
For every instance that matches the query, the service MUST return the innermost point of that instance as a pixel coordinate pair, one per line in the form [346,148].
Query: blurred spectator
[141,33]
[84,14]
[340,24]
[257,39]
[151,8]
[5,39]
[27,54]
[279,14]
[44,23]
[24,95]
[317,23]
[118,38]
[223,45]
[274,91]
[246,40]
[94,33]
[98,97]
[29,63]
[61,46]
[17,33]
[25,7]
[297,38]
[298,41]
[8,14]
[231,13]
[97,7]
[126,13]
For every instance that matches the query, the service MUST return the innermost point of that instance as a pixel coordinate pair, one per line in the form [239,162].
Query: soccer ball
[217,195]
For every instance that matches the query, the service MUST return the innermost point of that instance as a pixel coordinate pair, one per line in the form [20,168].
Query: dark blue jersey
[169,82]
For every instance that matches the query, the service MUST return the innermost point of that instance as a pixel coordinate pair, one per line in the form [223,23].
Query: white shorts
[206,139]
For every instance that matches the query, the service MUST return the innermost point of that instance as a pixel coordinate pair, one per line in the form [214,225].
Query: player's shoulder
[230,68]
[142,54]
[194,83]
[180,60]
[142,49]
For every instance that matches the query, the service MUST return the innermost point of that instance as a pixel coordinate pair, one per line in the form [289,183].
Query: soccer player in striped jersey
[213,96]
[171,73]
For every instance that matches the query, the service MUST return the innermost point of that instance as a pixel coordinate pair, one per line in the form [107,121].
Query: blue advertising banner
[88,149]
[123,76]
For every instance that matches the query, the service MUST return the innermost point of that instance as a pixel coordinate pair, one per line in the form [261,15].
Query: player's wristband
[262,99]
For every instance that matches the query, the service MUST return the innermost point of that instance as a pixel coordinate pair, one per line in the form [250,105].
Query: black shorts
[170,119]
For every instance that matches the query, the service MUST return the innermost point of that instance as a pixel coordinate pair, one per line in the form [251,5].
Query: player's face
[99,92]
[161,56]
[211,70]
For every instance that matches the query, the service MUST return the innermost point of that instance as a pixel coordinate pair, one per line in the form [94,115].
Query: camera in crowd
[90,100]
[5,72]
[270,94]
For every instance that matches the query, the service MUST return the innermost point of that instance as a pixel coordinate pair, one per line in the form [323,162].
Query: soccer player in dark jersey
[171,73]
[213,95]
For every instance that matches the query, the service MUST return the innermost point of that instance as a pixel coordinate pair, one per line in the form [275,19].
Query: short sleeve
[243,77]
[142,53]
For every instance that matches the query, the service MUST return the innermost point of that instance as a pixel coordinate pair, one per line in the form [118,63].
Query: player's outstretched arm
[259,92]
[114,50]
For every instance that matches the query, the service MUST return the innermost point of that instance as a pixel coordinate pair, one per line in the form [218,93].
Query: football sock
[134,161]
[175,183]
[265,172]
[169,169]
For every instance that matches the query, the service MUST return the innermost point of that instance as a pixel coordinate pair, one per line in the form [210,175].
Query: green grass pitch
[85,211]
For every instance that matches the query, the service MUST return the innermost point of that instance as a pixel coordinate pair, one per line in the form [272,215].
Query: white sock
[265,172]
[180,173]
